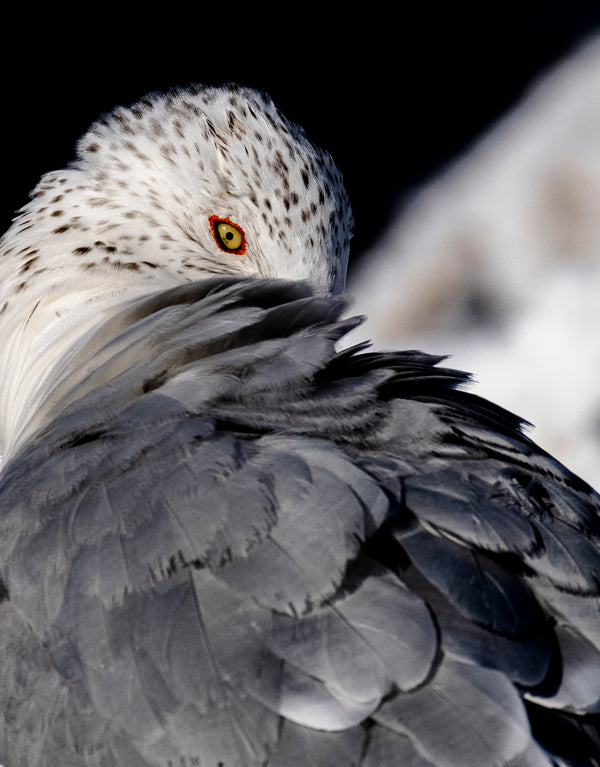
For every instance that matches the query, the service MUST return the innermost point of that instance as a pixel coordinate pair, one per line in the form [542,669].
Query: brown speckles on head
[147,179]
[28,264]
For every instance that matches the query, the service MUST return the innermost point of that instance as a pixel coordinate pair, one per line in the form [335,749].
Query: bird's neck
[49,306]
[40,334]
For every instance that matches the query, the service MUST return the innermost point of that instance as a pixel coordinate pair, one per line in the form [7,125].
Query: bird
[227,539]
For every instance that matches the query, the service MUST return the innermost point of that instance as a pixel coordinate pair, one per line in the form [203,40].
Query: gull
[225,539]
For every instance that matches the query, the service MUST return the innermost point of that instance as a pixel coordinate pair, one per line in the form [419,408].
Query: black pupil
[229,236]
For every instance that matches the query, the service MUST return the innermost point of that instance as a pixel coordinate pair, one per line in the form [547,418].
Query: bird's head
[199,182]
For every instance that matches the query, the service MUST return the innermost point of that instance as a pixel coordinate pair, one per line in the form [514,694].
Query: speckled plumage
[147,178]
[225,542]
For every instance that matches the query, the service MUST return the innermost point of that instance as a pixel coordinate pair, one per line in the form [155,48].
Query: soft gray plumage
[225,542]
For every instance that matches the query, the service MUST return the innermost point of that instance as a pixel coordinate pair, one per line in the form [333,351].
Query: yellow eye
[229,236]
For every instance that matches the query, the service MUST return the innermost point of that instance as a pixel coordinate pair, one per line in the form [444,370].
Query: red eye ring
[228,235]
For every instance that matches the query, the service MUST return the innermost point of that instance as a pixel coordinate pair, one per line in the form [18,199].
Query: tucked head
[199,182]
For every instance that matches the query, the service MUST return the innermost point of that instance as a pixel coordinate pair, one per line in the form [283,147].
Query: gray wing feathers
[455,720]
[229,543]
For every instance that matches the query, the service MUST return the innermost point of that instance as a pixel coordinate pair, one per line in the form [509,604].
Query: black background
[391,91]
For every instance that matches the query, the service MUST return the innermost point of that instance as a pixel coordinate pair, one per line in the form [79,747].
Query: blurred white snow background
[497,263]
